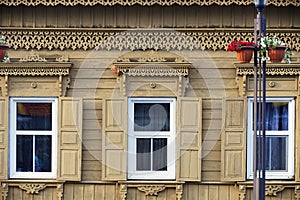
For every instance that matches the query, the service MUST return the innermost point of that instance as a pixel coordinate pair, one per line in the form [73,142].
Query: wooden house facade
[139,100]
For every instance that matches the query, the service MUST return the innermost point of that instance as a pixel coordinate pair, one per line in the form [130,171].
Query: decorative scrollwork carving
[33,57]
[32,188]
[142,2]
[272,190]
[151,190]
[132,39]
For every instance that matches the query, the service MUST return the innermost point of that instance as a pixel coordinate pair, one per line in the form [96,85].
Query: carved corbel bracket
[242,192]
[4,191]
[179,191]
[123,191]
[297,192]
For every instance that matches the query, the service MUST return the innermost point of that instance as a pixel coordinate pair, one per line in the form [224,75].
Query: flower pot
[277,54]
[3,48]
[244,55]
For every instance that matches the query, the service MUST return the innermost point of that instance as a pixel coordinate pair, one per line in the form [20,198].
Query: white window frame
[133,135]
[289,174]
[13,132]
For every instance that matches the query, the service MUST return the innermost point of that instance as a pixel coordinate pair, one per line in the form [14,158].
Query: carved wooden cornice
[35,69]
[245,69]
[142,2]
[152,63]
[137,39]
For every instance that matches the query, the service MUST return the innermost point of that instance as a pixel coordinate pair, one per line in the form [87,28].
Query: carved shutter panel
[114,139]
[190,132]
[70,139]
[233,145]
[3,138]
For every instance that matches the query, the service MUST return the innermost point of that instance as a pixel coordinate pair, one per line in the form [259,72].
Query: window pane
[34,116]
[160,154]
[276,116]
[24,153]
[43,153]
[152,117]
[276,153]
[143,158]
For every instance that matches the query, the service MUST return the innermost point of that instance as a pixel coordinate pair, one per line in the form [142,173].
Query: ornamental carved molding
[271,69]
[143,2]
[151,190]
[32,188]
[136,39]
[152,66]
[272,190]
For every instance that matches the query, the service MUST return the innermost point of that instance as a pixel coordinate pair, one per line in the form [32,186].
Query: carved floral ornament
[142,2]
[133,39]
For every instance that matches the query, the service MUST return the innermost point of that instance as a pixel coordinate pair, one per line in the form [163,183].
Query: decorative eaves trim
[143,2]
[137,39]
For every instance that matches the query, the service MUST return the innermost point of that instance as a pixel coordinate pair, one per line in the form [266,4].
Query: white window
[279,143]
[32,135]
[151,138]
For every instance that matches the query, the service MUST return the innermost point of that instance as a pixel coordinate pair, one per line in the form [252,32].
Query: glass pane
[43,153]
[143,154]
[160,154]
[276,116]
[276,153]
[34,116]
[152,117]
[24,153]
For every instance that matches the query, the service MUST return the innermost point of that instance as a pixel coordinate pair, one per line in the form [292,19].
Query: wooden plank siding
[144,16]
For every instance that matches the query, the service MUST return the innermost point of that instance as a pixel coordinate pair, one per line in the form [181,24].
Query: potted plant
[3,48]
[244,50]
[275,50]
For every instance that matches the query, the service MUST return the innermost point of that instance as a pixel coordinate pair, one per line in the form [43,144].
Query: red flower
[237,45]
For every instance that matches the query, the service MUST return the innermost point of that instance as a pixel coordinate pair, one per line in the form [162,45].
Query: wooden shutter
[70,139]
[114,139]
[233,145]
[190,132]
[297,139]
[3,138]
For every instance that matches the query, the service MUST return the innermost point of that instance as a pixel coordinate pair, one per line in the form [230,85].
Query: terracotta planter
[3,48]
[245,54]
[276,55]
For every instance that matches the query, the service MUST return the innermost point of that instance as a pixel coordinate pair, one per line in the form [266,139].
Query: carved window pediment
[282,78]
[151,69]
[35,75]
